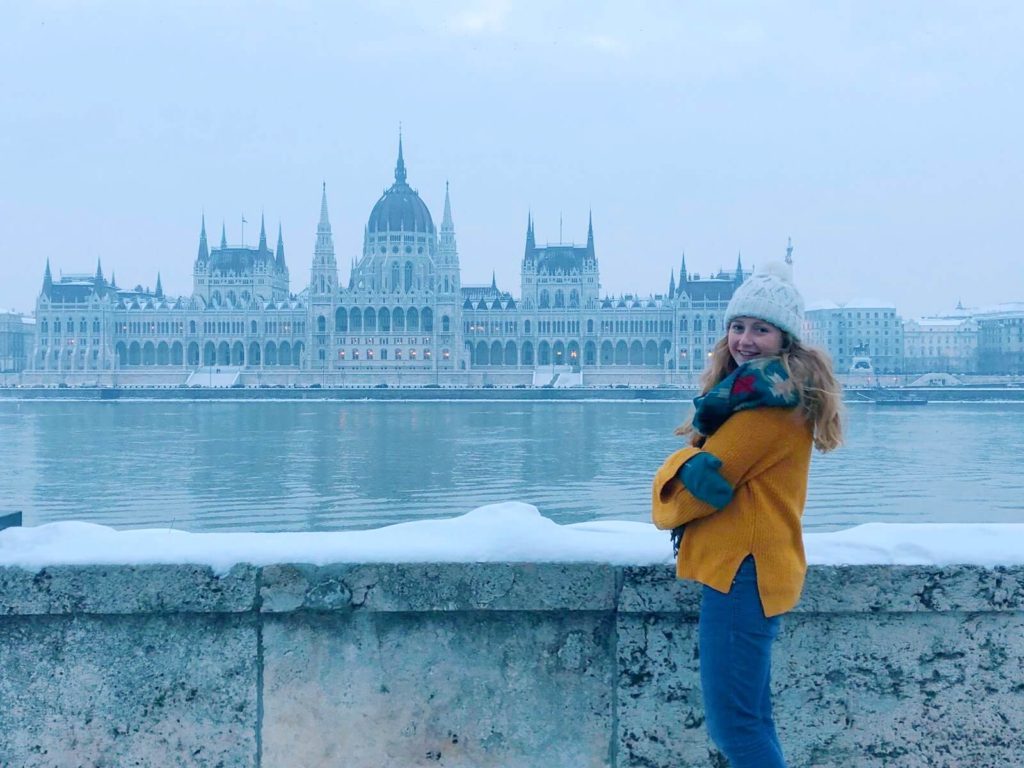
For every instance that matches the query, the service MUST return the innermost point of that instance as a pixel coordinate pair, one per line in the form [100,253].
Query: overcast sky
[885,138]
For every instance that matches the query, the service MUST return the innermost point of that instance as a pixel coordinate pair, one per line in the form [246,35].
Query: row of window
[383,319]
[396,354]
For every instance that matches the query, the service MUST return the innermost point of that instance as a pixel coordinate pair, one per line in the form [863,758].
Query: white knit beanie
[769,295]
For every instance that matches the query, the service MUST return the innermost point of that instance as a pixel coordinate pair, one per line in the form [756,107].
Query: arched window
[192,327]
[395,276]
[369,320]
[253,327]
[321,324]
[428,320]
[445,324]
[559,298]
[408,276]
[574,298]
[545,299]
[341,320]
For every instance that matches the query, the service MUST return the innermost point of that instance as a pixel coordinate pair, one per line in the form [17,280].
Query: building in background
[859,328]
[402,311]
[1001,339]
[945,343]
[17,335]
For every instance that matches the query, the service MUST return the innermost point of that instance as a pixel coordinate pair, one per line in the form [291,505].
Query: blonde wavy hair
[810,370]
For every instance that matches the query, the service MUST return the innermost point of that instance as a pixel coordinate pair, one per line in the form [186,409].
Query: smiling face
[750,338]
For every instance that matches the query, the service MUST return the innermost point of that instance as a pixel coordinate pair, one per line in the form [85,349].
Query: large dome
[400,209]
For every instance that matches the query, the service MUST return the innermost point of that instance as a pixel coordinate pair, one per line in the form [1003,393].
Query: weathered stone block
[439,587]
[89,691]
[471,689]
[126,589]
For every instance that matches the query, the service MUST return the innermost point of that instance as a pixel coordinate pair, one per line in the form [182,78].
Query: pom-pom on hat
[769,295]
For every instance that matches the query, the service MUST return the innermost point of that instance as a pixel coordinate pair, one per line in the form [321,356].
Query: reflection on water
[327,465]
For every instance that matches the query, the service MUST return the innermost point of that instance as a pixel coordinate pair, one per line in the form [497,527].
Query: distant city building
[1001,339]
[402,311]
[17,335]
[859,328]
[941,344]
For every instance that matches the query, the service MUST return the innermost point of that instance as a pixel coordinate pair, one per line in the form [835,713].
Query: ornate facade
[403,308]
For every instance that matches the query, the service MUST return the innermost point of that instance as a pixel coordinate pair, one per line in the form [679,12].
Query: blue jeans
[735,672]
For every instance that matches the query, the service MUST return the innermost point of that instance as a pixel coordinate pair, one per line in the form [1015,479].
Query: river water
[317,466]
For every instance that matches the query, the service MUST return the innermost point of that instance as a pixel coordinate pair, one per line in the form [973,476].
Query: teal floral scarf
[762,382]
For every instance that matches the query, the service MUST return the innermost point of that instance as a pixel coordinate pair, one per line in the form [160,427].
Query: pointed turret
[263,236]
[279,257]
[448,248]
[739,267]
[531,244]
[113,281]
[672,285]
[47,279]
[684,278]
[494,281]
[99,273]
[446,220]
[590,234]
[325,269]
[223,236]
[159,293]
[204,251]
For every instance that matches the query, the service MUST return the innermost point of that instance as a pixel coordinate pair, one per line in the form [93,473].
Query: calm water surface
[310,466]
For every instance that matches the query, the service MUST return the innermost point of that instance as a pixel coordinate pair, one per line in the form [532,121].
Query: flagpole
[243,230]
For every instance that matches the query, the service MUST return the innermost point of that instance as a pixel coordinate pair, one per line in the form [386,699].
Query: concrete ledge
[504,664]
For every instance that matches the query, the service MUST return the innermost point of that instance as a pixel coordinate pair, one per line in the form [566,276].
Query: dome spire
[400,166]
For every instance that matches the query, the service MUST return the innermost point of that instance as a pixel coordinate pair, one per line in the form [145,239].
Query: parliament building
[402,316]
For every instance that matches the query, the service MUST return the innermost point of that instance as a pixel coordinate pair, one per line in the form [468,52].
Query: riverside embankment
[384,393]
[490,664]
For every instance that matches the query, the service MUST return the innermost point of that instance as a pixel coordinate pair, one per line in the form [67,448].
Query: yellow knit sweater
[766,455]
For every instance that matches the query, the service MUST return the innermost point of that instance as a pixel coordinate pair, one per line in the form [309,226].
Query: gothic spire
[739,267]
[263,235]
[324,223]
[47,278]
[279,259]
[494,281]
[531,244]
[447,234]
[159,287]
[672,285]
[400,167]
[590,234]
[223,236]
[323,252]
[446,221]
[99,272]
[204,251]
[683,276]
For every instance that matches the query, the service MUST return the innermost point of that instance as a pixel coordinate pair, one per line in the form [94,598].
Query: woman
[736,496]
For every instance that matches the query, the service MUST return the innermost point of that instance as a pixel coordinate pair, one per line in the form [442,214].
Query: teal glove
[701,478]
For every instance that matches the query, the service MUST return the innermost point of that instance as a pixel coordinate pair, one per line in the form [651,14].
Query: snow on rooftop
[506,532]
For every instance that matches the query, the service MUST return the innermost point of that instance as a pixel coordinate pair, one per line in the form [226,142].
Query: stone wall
[490,665]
